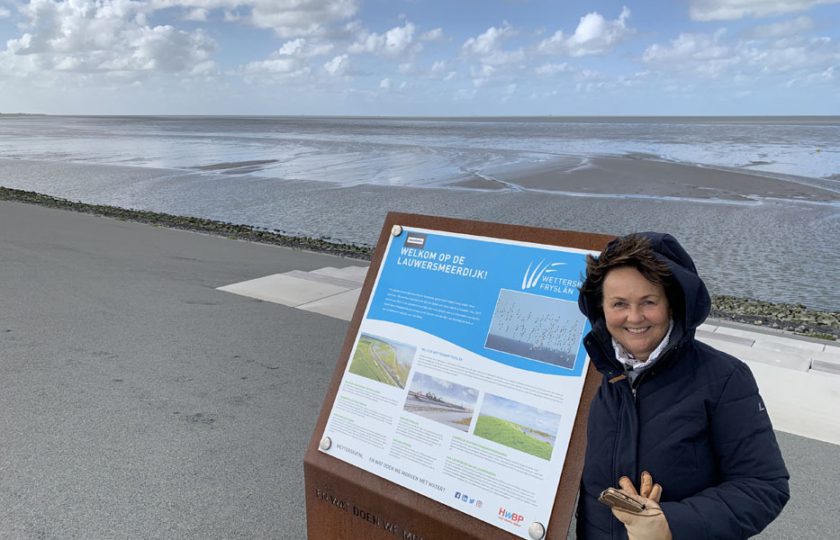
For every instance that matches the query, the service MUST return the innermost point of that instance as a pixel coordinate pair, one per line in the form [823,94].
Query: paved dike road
[137,401]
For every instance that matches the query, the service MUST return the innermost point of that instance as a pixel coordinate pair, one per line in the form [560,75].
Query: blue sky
[420,57]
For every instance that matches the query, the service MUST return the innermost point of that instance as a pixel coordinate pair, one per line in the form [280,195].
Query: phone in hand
[613,497]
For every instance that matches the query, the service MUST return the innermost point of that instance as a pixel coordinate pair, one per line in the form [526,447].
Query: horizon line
[424,117]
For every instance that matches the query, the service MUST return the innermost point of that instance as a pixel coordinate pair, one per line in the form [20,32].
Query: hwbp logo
[510,517]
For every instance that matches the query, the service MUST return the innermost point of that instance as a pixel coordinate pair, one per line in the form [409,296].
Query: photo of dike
[536,327]
[517,426]
[441,401]
[382,360]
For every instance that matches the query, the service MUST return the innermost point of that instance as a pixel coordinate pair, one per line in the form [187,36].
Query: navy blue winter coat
[696,423]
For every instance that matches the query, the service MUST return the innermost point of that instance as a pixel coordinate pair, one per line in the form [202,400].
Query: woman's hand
[650,523]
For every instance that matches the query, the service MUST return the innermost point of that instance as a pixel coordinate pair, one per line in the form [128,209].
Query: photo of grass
[442,401]
[536,327]
[382,360]
[517,426]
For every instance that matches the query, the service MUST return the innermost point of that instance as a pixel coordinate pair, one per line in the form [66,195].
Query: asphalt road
[136,401]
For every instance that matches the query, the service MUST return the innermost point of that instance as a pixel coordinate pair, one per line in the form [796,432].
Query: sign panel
[466,374]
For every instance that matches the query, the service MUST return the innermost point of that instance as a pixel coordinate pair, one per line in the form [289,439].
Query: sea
[337,177]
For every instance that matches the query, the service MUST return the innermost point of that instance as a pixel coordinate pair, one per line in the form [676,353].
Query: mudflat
[640,175]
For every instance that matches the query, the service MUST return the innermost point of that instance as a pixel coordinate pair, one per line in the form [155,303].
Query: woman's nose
[635,314]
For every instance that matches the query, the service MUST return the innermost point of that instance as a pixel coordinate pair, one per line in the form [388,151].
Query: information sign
[466,374]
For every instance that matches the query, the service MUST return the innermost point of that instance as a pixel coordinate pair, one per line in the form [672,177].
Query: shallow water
[777,250]
[416,152]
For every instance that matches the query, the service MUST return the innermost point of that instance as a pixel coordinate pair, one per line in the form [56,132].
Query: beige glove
[650,523]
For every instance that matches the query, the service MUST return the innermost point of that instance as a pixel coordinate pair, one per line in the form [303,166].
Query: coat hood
[692,306]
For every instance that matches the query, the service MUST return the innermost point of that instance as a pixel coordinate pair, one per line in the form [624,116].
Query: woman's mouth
[637,330]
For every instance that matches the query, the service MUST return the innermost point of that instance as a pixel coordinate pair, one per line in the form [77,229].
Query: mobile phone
[615,498]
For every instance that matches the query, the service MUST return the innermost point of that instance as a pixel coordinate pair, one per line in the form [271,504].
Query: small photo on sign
[442,401]
[536,327]
[383,360]
[517,426]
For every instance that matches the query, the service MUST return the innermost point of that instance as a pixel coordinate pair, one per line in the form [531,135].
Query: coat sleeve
[753,479]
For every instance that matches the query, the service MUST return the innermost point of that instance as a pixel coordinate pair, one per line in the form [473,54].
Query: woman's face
[636,310]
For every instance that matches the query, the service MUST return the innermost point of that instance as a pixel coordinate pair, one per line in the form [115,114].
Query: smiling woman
[637,312]
[670,406]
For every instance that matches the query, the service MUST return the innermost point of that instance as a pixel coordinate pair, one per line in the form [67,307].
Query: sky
[420,57]
[520,413]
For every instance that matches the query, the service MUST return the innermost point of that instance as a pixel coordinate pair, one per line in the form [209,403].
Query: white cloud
[290,18]
[704,55]
[287,66]
[338,65]
[106,36]
[488,47]
[551,69]
[432,35]
[291,59]
[5,13]
[164,48]
[231,15]
[812,79]
[720,10]
[591,81]
[304,48]
[114,36]
[489,41]
[287,18]
[483,72]
[500,58]
[395,42]
[688,48]
[440,70]
[385,84]
[800,56]
[792,27]
[197,14]
[747,61]
[593,35]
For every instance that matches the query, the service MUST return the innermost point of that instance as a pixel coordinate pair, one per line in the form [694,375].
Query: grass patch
[364,365]
[388,355]
[512,435]
[386,369]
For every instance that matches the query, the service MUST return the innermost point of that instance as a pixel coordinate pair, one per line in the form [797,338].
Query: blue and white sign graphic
[512,303]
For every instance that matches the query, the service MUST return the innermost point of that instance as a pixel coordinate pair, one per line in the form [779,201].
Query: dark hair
[633,250]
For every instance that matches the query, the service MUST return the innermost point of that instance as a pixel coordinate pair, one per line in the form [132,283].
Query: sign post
[458,405]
